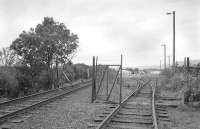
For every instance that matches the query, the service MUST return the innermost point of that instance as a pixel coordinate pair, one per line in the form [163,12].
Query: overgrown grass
[181,84]
[171,81]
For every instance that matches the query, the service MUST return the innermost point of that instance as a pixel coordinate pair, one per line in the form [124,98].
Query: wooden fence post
[93,80]
[120,92]
[107,82]
[188,64]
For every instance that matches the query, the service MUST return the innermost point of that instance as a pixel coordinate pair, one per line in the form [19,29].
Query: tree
[8,57]
[57,42]
[49,43]
[27,47]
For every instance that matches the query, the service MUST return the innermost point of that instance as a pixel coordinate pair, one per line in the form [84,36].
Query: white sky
[108,28]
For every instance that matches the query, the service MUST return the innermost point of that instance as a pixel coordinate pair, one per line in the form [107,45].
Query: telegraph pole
[160,64]
[173,13]
[174,38]
[164,45]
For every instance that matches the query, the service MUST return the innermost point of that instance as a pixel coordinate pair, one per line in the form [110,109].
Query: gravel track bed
[74,111]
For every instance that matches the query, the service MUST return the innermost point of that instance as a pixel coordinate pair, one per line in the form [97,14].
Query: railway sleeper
[162,115]
[163,119]
[136,111]
[161,108]
[140,103]
[145,122]
[161,112]
[132,106]
[167,105]
[136,114]
[119,126]
[134,117]
[169,98]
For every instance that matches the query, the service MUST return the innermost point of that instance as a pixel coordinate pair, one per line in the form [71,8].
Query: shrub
[80,71]
[43,80]
[168,73]
[8,82]
[176,81]
[24,83]
[172,81]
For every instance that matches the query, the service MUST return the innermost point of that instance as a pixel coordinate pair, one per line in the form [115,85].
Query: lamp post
[164,45]
[173,13]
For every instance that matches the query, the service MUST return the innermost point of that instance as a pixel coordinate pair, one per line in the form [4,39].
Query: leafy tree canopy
[47,43]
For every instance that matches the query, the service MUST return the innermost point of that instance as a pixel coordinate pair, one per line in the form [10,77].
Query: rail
[155,124]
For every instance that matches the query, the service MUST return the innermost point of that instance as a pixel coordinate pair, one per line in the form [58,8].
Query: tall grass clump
[171,80]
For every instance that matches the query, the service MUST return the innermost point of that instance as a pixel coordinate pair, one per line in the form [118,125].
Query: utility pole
[164,45]
[174,38]
[185,62]
[173,13]
[169,60]
[160,64]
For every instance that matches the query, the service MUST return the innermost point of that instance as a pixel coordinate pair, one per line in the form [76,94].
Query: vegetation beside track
[182,84]
[37,58]
[183,88]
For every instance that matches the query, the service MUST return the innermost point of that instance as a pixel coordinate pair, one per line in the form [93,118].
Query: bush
[80,71]
[24,83]
[168,73]
[172,81]
[21,80]
[43,81]
[176,81]
[8,82]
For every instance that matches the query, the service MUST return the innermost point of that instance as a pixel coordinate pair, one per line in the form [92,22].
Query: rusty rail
[155,123]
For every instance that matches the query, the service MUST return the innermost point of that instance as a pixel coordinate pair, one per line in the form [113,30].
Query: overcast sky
[108,28]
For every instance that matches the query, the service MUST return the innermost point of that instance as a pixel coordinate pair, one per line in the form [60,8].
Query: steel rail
[40,93]
[155,124]
[40,103]
[105,122]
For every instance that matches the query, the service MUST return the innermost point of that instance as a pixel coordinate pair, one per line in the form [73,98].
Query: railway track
[137,111]
[18,106]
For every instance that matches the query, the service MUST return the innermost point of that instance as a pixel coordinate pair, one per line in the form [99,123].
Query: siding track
[18,106]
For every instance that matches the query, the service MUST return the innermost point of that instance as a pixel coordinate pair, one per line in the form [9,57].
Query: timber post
[120,92]
[93,80]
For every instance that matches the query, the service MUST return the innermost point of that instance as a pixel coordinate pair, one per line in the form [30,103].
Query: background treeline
[40,59]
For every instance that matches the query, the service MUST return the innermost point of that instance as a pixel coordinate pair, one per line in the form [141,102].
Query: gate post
[120,92]
[188,64]
[107,72]
[93,80]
